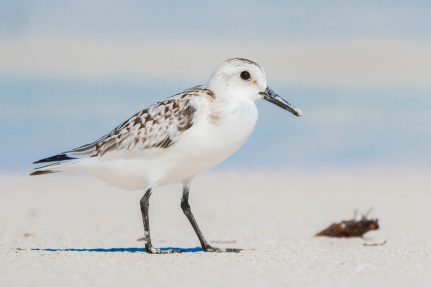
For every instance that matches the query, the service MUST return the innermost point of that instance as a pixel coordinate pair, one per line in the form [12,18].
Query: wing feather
[156,127]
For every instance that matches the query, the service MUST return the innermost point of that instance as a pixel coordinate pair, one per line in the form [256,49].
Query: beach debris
[375,244]
[351,228]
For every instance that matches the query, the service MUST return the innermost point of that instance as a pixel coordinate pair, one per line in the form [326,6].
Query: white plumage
[175,139]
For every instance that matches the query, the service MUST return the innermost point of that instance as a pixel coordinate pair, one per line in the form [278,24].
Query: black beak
[270,96]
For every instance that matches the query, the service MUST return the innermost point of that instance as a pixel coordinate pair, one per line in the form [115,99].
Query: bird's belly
[208,144]
[203,146]
[193,154]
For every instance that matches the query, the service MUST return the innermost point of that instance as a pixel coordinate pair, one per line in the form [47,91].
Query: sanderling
[175,139]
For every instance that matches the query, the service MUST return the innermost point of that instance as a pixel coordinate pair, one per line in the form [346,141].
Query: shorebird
[173,140]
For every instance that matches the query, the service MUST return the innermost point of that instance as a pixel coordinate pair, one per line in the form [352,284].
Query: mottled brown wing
[158,126]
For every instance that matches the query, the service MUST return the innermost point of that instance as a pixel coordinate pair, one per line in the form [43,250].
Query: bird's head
[242,78]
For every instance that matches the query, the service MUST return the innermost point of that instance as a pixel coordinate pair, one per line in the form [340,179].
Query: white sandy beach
[272,216]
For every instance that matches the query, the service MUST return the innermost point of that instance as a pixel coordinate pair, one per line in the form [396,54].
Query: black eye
[245,75]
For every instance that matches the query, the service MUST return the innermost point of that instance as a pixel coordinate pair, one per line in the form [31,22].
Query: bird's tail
[55,164]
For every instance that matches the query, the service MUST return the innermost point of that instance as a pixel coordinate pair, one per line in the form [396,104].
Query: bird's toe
[222,250]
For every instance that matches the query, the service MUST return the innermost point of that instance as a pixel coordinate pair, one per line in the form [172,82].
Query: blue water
[341,127]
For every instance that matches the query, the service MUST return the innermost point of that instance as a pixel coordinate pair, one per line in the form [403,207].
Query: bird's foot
[159,251]
[152,250]
[221,250]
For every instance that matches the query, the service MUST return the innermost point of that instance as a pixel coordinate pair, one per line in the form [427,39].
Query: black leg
[145,205]
[188,212]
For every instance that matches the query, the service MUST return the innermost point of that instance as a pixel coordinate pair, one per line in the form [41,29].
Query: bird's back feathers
[155,127]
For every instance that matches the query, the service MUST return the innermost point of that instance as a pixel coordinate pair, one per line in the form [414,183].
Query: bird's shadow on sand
[115,250]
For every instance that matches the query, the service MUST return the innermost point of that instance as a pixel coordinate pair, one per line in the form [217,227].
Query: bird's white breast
[217,132]
[219,129]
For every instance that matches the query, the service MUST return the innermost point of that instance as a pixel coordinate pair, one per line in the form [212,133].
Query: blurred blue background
[70,71]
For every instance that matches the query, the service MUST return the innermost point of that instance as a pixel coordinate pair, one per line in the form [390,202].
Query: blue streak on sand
[112,250]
